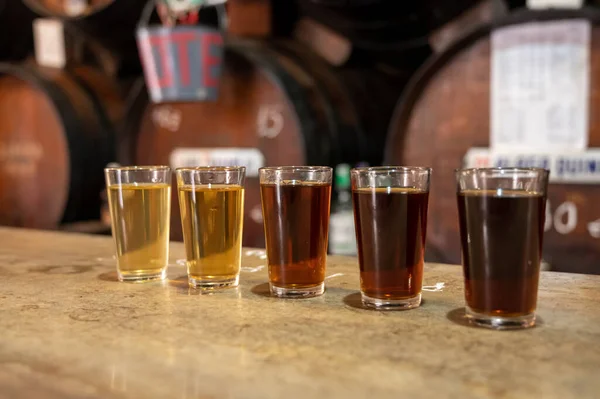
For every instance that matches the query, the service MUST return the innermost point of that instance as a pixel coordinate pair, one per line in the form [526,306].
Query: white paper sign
[49,41]
[542,4]
[75,8]
[342,237]
[581,167]
[540,86]
[251,158]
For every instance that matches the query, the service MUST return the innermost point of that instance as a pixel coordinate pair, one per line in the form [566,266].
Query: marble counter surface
[68,329]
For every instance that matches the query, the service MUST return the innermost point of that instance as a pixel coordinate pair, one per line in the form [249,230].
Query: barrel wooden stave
[28,173]
[446,110]
[54,143]
[562,252]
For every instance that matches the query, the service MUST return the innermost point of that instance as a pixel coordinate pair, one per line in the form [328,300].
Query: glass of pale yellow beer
[211,200]
[139,198]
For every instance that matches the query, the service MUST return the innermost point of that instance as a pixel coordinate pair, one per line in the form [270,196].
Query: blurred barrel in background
[378,22]
[56,136]
[110,23]
[397,33]
[16,35]
[278,105]
[446,112]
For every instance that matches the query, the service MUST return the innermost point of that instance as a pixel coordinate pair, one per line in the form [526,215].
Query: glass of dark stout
[295,204]
[390,213]
[501,215]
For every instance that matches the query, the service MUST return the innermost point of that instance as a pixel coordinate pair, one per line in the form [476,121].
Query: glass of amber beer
[390,213]
[139,198]
[295,204]
[211,200]
[501,215]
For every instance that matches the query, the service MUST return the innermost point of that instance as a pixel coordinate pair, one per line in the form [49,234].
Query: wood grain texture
[70,330]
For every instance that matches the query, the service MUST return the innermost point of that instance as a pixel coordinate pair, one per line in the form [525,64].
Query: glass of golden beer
[211,200]
[139,198]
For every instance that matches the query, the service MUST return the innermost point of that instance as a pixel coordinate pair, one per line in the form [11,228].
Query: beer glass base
[391,304]
[499,322]
[309,292]
[210,285]
[141,277]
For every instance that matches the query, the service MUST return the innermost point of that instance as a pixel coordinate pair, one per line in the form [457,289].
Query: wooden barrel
[56,136]
[380,21]
[110,23]
[398,34]
[278,105]
[16,34]
[446,112]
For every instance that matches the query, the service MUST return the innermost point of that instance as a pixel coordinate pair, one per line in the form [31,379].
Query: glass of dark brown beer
[295,204]
[501,215]
[390,213]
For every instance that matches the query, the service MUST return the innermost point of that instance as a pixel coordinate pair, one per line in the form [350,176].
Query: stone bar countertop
[68,329]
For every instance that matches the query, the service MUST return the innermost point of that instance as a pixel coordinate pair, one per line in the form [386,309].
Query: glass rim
[211,169]
[502,169]
[143,168]
[296,168]
[401,169]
